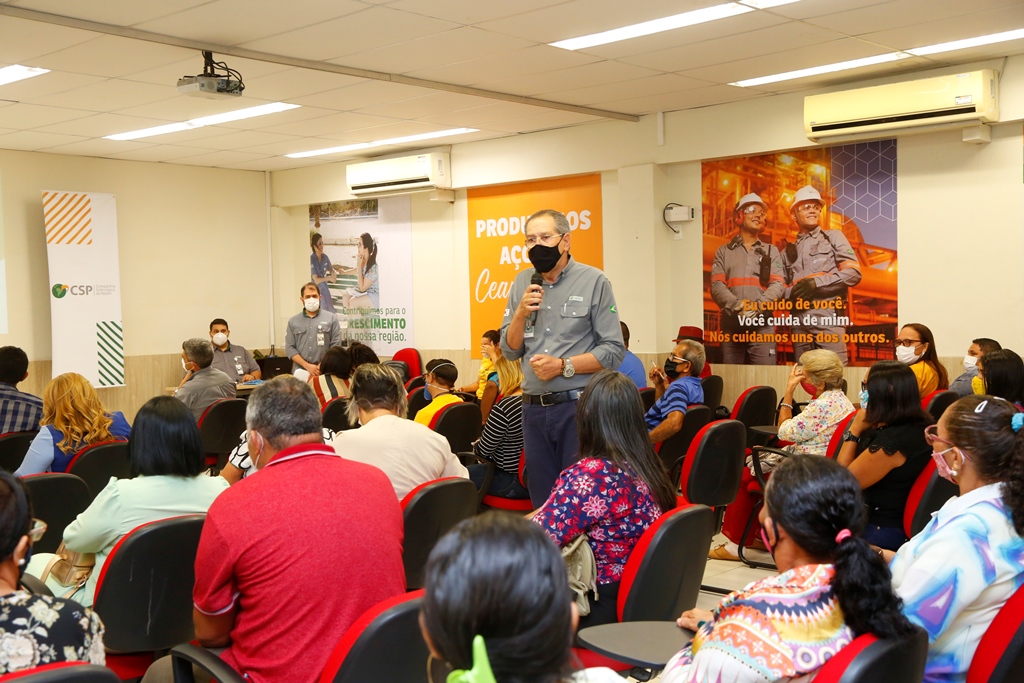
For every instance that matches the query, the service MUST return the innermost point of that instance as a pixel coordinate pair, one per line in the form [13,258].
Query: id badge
[238,369]
[528,332]
[320,338]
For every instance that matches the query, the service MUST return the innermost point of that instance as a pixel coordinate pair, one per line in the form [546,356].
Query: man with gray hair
[562,321]
[408,452]
[203,384]
[309,542]
[675,388]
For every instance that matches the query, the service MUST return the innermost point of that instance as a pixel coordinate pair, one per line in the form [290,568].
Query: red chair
[647,395]
[57,499]
[511,504]
[755,408]
[97,463]
[64,672]
[430,510]
[713,466]
[144,592]
[460,423]
[414,384]
[411,357]
[869,659]
[1000,654]
[935,403]
[13,447]
[334,415]
[219,427]
[835,444]
[929,493]
[713,386]
[672,450]
[367,651]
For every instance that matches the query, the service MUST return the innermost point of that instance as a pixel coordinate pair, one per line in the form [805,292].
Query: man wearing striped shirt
[19,412]
[675,388]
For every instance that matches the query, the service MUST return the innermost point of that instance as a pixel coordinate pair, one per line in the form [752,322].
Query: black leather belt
[553,398]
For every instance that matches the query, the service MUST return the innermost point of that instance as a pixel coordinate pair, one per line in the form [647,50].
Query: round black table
[646,644]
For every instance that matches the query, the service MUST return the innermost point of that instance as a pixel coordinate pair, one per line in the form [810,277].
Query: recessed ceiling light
[647,28]
[191,124]
[17,72]
[381,143]
[1003,37]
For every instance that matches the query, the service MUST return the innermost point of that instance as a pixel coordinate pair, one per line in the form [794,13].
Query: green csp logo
[59,291]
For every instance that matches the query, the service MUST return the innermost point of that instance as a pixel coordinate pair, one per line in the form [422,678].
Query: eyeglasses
[810,206]
[908,342]
[931,435]
[543,239]
[755,211]
[676,359]
[37,530]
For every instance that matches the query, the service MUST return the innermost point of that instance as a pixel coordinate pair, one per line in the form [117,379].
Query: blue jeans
[504,484]
[888,537]
[549,435]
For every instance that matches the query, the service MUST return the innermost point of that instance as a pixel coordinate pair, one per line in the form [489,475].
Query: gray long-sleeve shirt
[576,316]
[304,335]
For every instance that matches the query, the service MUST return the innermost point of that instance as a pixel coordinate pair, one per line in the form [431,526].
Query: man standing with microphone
[562,321]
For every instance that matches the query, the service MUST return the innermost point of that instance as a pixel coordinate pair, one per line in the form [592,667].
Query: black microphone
[537,279]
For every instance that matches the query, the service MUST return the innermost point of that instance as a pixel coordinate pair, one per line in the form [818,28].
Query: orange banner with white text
[497,216]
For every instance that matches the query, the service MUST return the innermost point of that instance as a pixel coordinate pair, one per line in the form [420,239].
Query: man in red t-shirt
[291,556]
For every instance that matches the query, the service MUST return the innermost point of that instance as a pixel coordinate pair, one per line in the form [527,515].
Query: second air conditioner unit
[401,175]
[953,101]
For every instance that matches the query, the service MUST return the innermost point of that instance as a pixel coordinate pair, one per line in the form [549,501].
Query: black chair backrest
[467,397]
[65,672]
[34,585]
[221,424]
[97,464]
[940,401]
[713,386]
[430,511]
[935,495]
[714,464]
[13,447]
[372,656]
[399,366]
[416,382]
[57,498]
[892,661]
[335,415]
[647,395]
[417,401]
[673,449]
[144,591]
[461,424]
[671,566]
[756,408]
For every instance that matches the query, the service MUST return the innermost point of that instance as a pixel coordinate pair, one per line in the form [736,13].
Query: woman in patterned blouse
[831,587]
[615,490]
[36,629]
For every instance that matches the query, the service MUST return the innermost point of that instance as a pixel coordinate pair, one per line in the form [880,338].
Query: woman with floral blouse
[615,490]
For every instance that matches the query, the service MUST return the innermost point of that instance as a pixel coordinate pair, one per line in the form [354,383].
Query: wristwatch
[567,369]
[851,437]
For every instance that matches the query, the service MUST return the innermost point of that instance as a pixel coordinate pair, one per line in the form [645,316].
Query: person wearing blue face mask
[676,386]
[439,385]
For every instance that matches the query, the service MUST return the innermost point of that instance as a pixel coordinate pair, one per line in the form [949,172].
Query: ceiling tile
[426,106]
[854,77]
[285,86]
[690,99]
[31,140]
[97,147]
[116,12]
[183,108]
[25,41]
[435,50]
[28,116]
[372,28]
[219,158]
[899,13]
[524,62]
[330,126]
[108,95]
[272,164]
[244,139]
[296,145]
[156,153]
[653,85]
[365,94]
[596,74]
[46,84]
[953,28]
[111,56]
[544,119]
[100,125]
[271,121]
[806,9]
[470,13]
[482,117]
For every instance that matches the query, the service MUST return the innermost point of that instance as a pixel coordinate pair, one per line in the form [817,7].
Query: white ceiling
[102,84]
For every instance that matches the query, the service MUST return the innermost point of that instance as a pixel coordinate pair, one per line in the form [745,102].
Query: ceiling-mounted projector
[210,87]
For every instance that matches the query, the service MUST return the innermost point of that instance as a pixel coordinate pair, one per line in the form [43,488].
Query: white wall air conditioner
[954,101]
[402,175]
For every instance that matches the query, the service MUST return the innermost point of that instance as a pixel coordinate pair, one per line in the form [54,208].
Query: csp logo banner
[497,217]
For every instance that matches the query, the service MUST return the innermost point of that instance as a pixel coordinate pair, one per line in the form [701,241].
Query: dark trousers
[504,485]
[888,537]
[551,442]
[605,610]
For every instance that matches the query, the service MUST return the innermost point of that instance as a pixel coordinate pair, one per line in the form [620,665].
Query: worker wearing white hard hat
[820,268]
[746,277]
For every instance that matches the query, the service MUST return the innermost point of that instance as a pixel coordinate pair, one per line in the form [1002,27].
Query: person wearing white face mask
[964,384]
[310,332]
[231,359]
[955,575]
[915,346]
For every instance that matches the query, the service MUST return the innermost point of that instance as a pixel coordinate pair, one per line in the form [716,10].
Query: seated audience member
[440,377]
[915,346]
[73,418]
[408,452]
[820,374]
[203,384]
[167,464]
[632,367]
[239,464]
[520,623]
[627,484]
[488,342]
[36,629]
[335,369]
[831,587]
[502,438]
[694,334]
[490,386]
[885,448]
[963,385]
[955,575]
[361,353]
[1002,375]
[291,558]
[675,388]
[19,412]
[233,360]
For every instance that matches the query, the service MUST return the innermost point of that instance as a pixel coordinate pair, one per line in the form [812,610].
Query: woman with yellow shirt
[915,346]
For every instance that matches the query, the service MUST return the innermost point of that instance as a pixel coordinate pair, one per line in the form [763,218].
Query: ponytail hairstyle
[984,427]
[819,504]
[370,245]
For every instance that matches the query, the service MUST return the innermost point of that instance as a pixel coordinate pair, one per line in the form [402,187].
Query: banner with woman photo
[361,260]
[800,253]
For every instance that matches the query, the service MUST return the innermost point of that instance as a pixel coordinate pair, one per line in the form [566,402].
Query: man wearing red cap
[694,334]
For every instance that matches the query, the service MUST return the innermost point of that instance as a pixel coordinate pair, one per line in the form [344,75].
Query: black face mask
[545,258]
[670,368]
